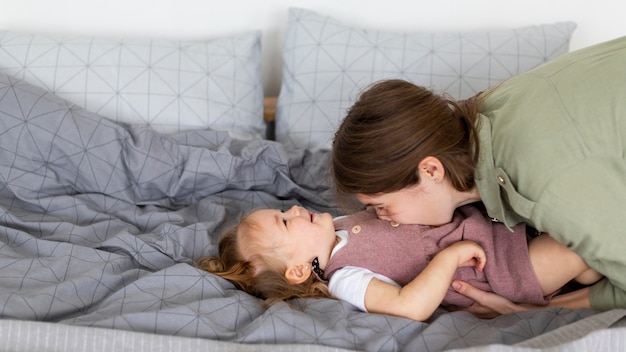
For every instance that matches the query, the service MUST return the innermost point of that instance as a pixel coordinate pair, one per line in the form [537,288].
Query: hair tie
[315,266]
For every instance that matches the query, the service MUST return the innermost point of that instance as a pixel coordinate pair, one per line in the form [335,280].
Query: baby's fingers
[481,260]
[470,262]
[469,254]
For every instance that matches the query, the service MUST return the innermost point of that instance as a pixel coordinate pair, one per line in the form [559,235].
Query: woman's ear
[297,274]
[431,168]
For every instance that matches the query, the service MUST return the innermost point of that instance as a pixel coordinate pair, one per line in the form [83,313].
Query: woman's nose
[383,216]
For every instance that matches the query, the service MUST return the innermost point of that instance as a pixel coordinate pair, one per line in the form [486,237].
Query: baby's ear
[297,274]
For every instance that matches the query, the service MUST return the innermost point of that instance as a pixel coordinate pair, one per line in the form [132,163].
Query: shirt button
[501,180]
[393,223]
[356,229]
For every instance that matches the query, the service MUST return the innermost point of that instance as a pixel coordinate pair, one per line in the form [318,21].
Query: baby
[382,267]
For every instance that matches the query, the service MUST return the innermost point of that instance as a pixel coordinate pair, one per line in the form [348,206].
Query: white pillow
[327,64]
[169,85]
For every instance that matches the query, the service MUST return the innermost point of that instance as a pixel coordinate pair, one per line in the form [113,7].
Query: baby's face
[295,236]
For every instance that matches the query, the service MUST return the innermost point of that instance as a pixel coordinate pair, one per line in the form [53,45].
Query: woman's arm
[489,304]
[420,297]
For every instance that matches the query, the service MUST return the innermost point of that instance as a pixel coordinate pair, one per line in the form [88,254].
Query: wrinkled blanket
[100,225]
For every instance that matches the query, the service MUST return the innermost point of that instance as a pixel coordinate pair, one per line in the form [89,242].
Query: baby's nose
[295,210]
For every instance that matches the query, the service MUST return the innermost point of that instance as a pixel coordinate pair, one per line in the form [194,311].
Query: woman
[547,147]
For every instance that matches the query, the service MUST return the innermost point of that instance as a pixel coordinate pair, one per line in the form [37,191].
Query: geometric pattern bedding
[100,225]
[170,85]
[327,63]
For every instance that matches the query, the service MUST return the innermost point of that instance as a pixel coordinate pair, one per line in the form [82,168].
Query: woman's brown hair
[260,275]
[395,124]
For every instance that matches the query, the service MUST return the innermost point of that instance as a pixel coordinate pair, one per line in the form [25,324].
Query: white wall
[597,20]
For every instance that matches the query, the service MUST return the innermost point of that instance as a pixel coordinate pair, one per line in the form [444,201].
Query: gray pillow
[169,85]
[327,64]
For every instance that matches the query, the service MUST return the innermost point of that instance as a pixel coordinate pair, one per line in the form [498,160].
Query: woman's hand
[486,304]
[490,305]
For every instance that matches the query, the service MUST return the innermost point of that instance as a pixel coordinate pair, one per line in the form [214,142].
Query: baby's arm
[420,297]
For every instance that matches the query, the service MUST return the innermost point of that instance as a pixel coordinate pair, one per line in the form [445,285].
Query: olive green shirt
[553,154]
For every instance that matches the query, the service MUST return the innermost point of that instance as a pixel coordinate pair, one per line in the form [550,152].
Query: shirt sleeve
[350,284]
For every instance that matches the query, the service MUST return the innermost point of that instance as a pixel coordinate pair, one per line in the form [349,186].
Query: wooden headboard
[269,116]
[269,109]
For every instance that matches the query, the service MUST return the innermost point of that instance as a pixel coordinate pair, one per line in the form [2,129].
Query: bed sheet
[100,224]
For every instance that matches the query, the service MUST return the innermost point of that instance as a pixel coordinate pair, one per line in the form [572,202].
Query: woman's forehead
[371,199]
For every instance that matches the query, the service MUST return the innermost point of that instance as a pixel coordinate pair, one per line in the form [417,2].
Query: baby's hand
[469,253]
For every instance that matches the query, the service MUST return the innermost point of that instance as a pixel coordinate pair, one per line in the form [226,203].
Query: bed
[122,161]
